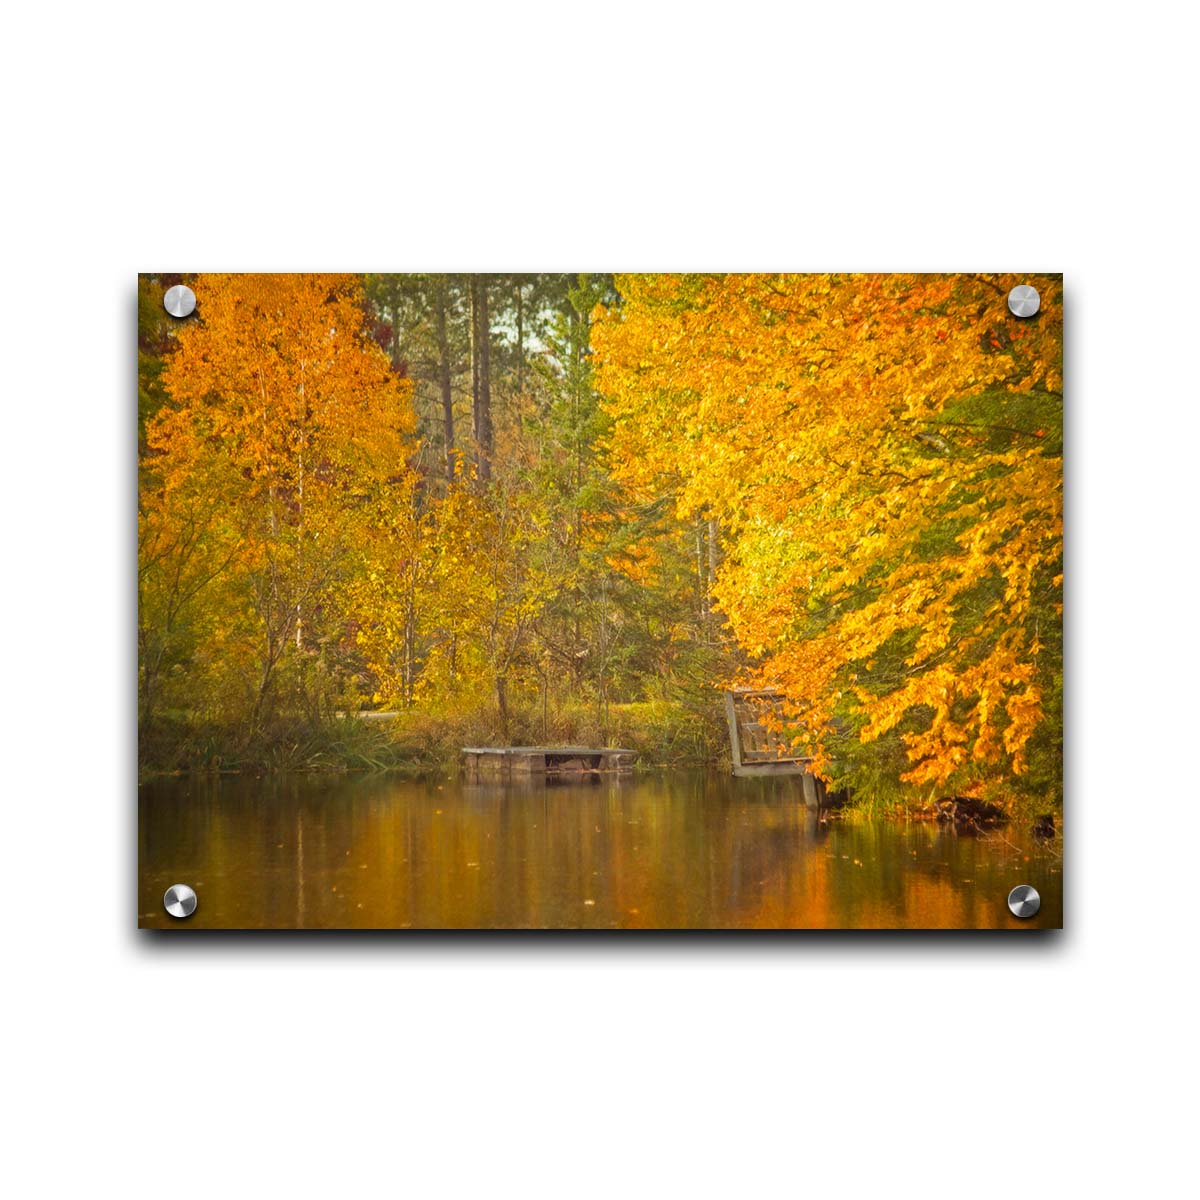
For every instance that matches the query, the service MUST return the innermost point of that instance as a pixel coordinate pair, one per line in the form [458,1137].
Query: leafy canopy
[883,455]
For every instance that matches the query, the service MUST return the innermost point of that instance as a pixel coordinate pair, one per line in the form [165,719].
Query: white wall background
[375,136]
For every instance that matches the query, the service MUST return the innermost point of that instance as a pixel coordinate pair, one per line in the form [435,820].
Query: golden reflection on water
[675,850]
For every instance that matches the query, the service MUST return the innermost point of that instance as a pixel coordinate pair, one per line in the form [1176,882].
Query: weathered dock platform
[482,763]
[758,749]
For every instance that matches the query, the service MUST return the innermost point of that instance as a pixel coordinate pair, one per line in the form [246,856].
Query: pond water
[673,850]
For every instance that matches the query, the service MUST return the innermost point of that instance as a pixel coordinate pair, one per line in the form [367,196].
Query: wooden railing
[759,749]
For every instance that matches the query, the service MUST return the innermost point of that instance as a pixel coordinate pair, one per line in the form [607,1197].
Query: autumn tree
[279,457]
[882,457]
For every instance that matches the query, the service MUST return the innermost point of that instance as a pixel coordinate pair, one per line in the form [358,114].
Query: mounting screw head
[1023,300]
[180,301]
[1023,901]
[180,900]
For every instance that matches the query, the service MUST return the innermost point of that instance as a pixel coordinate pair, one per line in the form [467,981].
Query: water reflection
[672,850]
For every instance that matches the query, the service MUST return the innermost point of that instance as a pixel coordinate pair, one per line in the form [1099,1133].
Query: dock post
[809,787]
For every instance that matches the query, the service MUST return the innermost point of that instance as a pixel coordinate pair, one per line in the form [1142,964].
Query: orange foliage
[891,526]
[277,463]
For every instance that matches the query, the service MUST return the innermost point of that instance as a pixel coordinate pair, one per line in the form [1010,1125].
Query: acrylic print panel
[600,601]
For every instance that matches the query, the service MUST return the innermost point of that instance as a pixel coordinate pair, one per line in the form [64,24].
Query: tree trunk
[409,655]
[473,291]
[481,377]
[502,702]
[444,377]
[712,570]
[520,338]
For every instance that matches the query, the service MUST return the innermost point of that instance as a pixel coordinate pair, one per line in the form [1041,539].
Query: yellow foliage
[280,457]
[816,418]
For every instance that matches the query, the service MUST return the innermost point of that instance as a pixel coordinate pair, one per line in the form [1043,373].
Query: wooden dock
[496,763]
[758,749]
